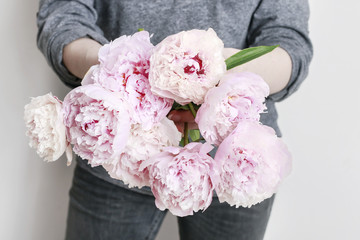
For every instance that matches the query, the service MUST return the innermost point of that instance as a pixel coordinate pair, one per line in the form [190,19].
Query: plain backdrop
[319,200]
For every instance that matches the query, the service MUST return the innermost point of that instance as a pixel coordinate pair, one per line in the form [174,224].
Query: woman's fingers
[180,126]
[181,116]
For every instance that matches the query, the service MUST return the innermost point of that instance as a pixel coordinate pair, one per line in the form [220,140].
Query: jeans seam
[153,226]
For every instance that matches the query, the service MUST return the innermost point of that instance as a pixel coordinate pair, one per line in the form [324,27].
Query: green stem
[192,109]
[200,139]
[186,133]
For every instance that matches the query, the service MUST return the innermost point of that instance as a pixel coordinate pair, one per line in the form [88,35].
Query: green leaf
[185,107]
[194,134]
[247,55]
[140,29]
[177,106]
[182,142]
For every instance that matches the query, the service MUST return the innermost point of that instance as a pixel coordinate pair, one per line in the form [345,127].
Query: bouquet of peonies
[117,119]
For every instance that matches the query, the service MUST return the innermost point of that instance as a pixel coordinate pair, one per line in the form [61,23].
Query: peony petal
[88,78]
[97,123]
[123,68]
[239,96]
[45,126]
[250,164]
[131,166]
[180,179]
[69,155]
[184,66]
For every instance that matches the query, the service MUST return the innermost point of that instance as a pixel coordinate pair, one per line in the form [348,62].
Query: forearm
[274,67]
[80,55]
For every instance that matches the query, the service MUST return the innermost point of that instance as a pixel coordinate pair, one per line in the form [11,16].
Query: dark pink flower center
[125,79]
[87,125]
[142,95]
[244,161]
[191,69]
[141,68]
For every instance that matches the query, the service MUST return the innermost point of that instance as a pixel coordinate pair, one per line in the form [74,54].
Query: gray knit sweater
[239,23]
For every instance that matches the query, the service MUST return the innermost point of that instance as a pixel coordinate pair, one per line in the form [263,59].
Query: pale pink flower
[45,128]
[250,164]
[97,123]
[240,96]
[124,68]
[120,60]
[180,180]
[184,66]
[142,145]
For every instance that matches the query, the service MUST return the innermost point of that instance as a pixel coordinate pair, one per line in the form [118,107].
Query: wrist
[91,56]
[80,55]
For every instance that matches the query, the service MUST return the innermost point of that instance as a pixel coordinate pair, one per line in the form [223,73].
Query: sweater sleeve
[284,22]
[61,22]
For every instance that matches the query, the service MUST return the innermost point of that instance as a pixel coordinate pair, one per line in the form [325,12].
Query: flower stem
[192,109]
[199,140]
[186,133]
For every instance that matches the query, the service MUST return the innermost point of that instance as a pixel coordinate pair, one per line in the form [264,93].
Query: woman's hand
[180,117]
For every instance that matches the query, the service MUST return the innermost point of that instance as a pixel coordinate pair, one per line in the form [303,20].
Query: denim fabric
[100,210]
[222,222]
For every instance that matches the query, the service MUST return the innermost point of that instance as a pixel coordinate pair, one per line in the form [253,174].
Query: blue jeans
[100,210]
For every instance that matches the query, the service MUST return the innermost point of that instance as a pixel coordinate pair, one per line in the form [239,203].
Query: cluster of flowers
[117,119]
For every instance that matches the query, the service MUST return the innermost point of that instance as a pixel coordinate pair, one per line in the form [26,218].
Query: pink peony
[240,96]
[184,66]
[250,164]
[97,123]
[123,59]
[124,68]
[45,127]
[141,146]
[180,180]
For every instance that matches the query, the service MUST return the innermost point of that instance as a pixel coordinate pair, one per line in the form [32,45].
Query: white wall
[320,200]
[320,124]
[33,200]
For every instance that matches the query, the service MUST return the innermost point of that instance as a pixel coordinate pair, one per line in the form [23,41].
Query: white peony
[141,145]
[184,66]
[45,127]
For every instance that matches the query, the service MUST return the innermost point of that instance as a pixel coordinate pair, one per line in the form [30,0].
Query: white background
[320,199]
